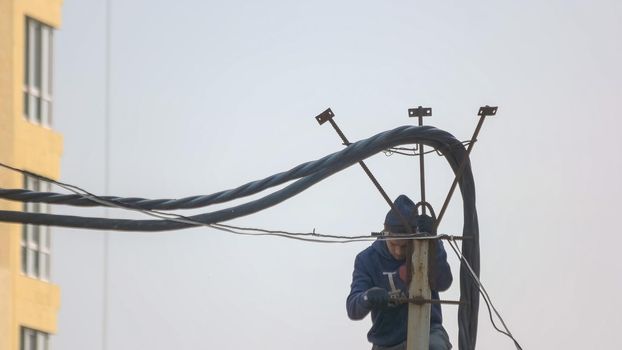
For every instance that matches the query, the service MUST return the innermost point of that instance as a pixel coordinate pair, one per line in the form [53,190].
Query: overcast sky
[207,95]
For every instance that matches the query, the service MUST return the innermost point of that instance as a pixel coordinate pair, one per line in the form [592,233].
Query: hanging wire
[454,246]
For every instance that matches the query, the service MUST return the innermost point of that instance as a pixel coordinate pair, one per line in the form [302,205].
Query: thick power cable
[359,149]
[314,237]
[323,168]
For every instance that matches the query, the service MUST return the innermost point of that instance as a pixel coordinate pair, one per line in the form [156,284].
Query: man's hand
[376,298]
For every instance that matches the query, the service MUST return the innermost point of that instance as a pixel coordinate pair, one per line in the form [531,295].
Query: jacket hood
[406,210]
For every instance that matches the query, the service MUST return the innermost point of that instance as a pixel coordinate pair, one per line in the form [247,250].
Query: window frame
[38,66]
[36,239]
[28,336]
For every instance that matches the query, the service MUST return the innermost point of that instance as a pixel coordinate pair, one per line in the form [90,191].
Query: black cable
[192,202]
[316,237]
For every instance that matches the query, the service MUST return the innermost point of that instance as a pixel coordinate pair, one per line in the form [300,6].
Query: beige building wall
[24,301]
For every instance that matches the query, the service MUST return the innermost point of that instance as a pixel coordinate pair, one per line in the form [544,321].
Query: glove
[376,298]
[425,223]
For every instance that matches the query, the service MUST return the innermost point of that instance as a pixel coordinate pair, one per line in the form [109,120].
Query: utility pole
[418,337]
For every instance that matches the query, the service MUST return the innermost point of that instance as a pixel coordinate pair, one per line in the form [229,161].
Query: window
[36,239]
[31,339]
[38,47]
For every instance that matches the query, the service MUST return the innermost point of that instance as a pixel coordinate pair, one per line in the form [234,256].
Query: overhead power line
[302,177]
[306,175]
[192,202]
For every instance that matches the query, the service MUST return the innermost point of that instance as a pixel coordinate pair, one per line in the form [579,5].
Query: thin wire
[486,297]
[183,219]
[457,249]
[52,181]
[399,150]
[186,220]
[454,246]
[318,238]
[361,237]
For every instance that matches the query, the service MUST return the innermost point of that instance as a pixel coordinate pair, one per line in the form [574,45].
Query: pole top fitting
[420,112]
[487,110]
[325,116]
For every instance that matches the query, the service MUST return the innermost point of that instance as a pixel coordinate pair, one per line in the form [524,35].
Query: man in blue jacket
[380,276]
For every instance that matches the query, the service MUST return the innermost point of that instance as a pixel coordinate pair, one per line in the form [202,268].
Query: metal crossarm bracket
[420,112]
[487,110]
[325,116]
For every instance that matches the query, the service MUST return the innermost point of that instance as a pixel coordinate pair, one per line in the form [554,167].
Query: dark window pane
[36,265]
[22,339]
[44,261]
[35,235]
[25,103]
[45,112]
[37,111]
[24,260]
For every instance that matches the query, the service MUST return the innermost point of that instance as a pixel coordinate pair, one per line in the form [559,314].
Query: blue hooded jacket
[376,267]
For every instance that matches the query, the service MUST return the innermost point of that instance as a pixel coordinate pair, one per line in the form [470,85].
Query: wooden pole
[419,315]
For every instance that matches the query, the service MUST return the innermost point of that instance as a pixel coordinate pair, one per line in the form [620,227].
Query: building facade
[29,302]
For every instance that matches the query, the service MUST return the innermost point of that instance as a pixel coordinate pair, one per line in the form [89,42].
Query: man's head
[394,225]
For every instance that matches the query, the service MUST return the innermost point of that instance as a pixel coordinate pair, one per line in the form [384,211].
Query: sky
[205,96]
